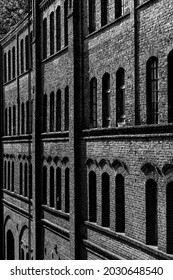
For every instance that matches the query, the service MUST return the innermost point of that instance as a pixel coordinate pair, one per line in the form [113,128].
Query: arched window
[119,8]
[67,191]
[44,112]
[92,11]
[52,33]
[52,111]
[120,203]
[12,177]
[169,217]
[21,179]
[58,110]
[22,118]
[104,12]
[27,118]
[21,57]
[5,68]
[9,175]
[106,100]
[152,91]
[66,22]
[105,200]
[27,52]
[10,246]
[9,120]
[14,120]
[26,180]
[93,102]
[9,65]
[92,197]
[44,185]
[13,63]
[44,38]
[6,122]
[58,188]
[151,213]
[67,108]
[51,186]
[120,95]
[58,28]
[170,87]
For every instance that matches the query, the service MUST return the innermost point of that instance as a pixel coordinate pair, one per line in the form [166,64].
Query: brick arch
[151,171]
[9,225]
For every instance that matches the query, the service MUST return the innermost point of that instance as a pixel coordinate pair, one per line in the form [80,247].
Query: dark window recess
[152,91]
[67,191]
[92,197]
[9,65]
[170,87]
[52,112]
[44,38]
[105,200]
[45,185]
[10,121]
[169,217]
[120,96]
[14,120]
[67,108]
[92,20]
[22,118]
[119,8]
[9,175]
[104,12]
[5,68]
[151,213]
[27,52]
[66,23]
[58,28]
[21,179]
[52,33]
[93,102]
[26,181]
[120,204]
[106,95]
[58,188]
[12,177]
[58,111]
[13,63]
[51,187]
[45,113]
[21,56]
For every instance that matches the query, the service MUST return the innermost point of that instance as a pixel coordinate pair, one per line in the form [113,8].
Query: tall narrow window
[106,100]
[120,204]
[5,68]
[30,46]
[52,33]
[27,118]
[58,188]
[12,177]
[51,187]
[22,118]
[120,95]
[27,52]
[52,111]
[92,21]
[44,38]
[67,191]
[92,197]
[66,22]
[151,213]
[44,185]
[170,87]
[104,12]
[44,112]
[58,110]
[21,178]
[169,217]
[6,122]
[67,108]
[58,28]
[119,8]
[9,175]
[21,57]
[93,102]
[13,63]
[5,174]
[105,200]
[30,181]
[26,180]
[14,120]
[9,120]
[152,91]
[9,65]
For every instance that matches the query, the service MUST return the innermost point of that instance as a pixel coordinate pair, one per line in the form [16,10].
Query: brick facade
[50,145]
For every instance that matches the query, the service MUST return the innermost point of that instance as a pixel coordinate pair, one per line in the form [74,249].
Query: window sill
[18,196]
[17,138]
[58,53]
[55,211]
